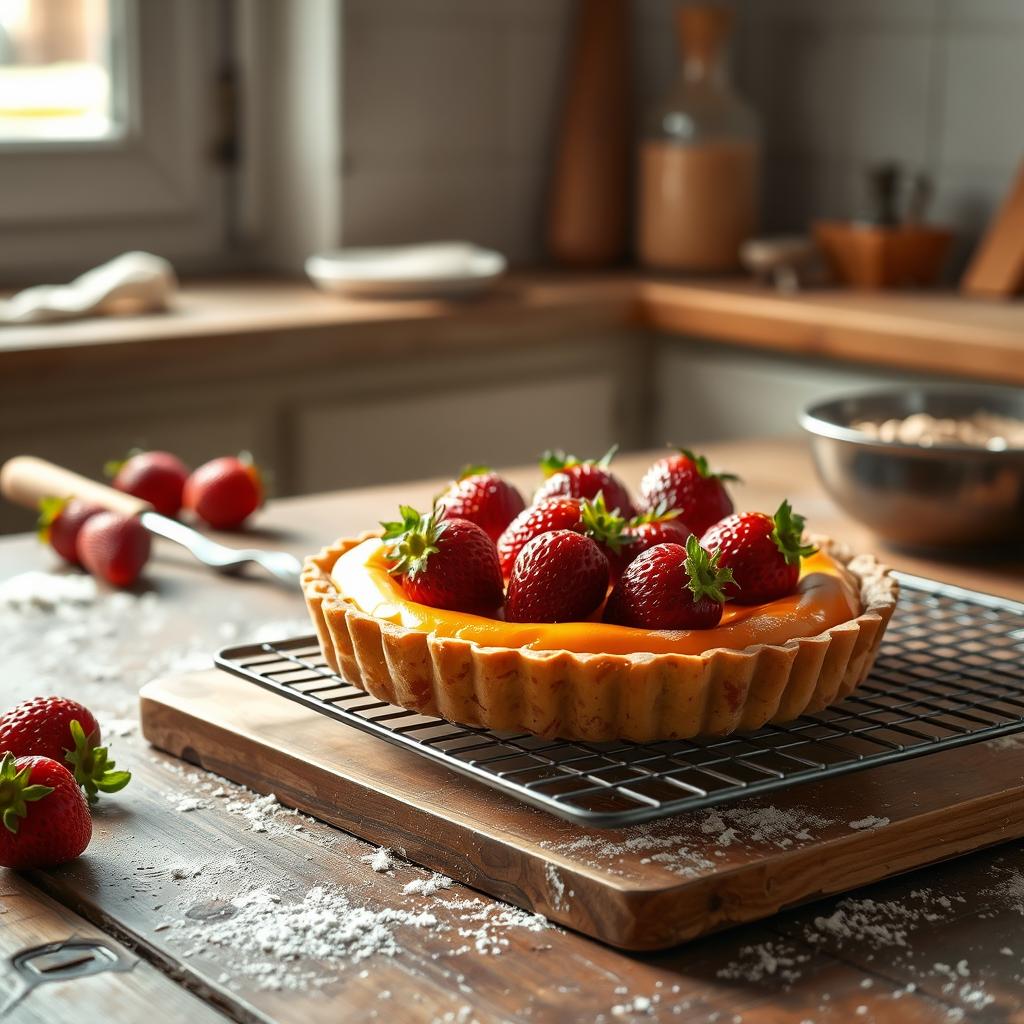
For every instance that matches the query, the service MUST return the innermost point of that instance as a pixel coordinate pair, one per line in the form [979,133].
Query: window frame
[66,204]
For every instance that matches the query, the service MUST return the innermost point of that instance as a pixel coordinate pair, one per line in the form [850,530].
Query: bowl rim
[812,421]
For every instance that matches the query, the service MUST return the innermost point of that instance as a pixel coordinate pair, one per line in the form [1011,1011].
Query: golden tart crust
[597,697]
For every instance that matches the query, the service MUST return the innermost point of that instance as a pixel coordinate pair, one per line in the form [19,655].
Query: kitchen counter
[937,945]
[927,332]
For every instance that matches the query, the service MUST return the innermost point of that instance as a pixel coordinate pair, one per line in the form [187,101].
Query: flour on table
[684,845]
[381,860]
[765,959]
[428,886]
[47,590]
[871,821]
[1009,892]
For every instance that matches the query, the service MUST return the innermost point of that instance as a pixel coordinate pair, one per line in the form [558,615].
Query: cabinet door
[353,443]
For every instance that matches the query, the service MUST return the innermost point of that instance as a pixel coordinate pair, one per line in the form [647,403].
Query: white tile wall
[451,107]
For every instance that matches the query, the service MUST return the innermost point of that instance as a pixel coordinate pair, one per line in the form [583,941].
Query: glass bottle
[699,159]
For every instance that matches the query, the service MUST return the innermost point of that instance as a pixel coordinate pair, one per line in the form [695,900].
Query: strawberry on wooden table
[484,498]
[570,477]
[684,481]
[113,547]
[560,576]
[445,563]
[60,519]
[156,477]
[224,492]
[670,586]
[67,732]
[763,552]
[44,819]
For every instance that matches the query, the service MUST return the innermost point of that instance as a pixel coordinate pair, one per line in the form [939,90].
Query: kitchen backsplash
[451,107]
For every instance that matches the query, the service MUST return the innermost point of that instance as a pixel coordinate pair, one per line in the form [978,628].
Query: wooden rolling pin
[26,479]
[588,220]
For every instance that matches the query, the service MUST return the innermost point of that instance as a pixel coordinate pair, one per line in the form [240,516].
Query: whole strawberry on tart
[582,618]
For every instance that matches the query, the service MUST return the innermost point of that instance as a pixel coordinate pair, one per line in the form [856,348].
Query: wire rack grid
[949,673]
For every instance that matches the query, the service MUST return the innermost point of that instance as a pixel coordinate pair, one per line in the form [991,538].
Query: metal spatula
[26,479]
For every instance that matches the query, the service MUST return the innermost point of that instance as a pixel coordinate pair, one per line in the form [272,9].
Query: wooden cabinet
[316,426]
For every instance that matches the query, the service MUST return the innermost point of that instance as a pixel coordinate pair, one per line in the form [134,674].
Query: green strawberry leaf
[471,470]
[788,535]
[703,469]
[661,513]
[605,527]
[91,765]
[16,792]
[49,509]
[707,577]
[413,539]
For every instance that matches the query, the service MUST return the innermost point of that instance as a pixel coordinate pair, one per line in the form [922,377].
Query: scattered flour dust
[871,821]
[47,590]
[428,886]
[274,936]
[1009,892]
[764,960]
[381,860]
[685,844]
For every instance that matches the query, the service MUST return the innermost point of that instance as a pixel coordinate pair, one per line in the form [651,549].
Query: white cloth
[135,282]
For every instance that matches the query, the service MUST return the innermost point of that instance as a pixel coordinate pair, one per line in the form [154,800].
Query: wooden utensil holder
[872,256]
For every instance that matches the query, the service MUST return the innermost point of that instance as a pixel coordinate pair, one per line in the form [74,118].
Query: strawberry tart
[590,615]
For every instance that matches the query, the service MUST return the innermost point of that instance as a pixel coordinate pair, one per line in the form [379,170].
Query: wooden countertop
[153,861]
[935,333]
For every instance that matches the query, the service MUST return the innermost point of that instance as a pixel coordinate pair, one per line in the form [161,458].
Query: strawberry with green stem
[670,586]
[686,482]
[764,553]
[60,520]
[68,733]
[444,563]
[44,819]
[570,477]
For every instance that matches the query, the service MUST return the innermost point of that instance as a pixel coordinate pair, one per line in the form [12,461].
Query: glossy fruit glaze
[825,596]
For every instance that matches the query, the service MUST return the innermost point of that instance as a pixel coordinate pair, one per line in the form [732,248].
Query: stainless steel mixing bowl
[944,496]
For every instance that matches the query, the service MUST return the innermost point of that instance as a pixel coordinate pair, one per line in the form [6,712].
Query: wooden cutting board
[648,887]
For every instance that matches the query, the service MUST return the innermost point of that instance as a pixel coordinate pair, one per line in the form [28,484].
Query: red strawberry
[45,819]
[113,547]
[60,519]
[64,731]
[545,516]
[560,576]
[224,492]
[659,526]
[483,498]
[567,476]
[156,477]
[670,587]
[762,551]
[685,482]
[448,563]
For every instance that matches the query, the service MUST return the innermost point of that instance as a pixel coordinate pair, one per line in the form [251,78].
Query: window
[108,117]
[58,77]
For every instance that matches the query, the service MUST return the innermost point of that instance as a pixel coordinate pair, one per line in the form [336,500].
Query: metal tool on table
[26,479]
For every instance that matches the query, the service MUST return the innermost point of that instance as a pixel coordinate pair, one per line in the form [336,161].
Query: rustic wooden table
[942,944]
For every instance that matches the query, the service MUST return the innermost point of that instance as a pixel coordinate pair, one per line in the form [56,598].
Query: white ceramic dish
[431,270]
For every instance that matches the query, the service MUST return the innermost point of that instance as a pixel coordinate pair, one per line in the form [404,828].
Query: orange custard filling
[825,596]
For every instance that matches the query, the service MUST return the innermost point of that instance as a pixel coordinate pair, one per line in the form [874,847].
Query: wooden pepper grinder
[588,221]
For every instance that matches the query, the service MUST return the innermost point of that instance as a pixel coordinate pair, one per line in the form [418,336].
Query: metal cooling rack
[950,672]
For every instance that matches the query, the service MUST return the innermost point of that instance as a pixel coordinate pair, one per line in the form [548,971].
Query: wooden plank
[134,991]
[631,900]
[933,333]
[996,269]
